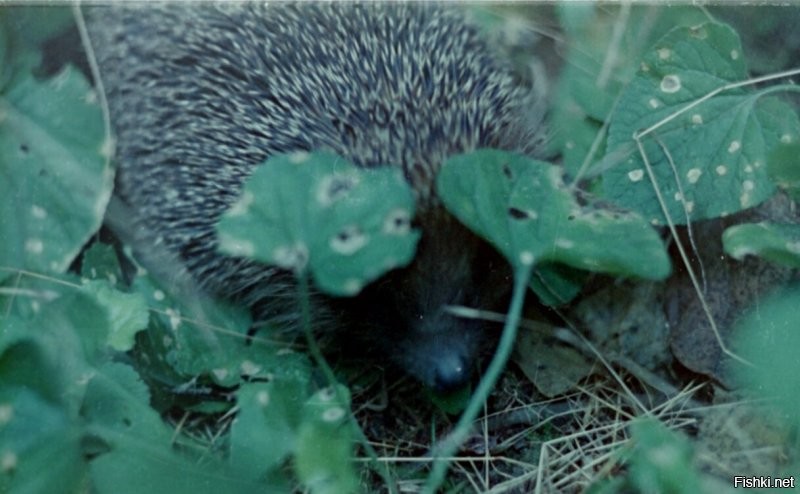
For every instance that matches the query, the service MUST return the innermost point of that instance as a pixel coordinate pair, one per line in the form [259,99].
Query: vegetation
[112,380]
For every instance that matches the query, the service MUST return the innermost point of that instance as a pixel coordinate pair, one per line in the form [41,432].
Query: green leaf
[30,25]
[574,17]
[777,243]
[784,168]
[325,443]
[23,29]
[604,47]
[265,431]
[127,313]
[556,284]
[344,224]
[100,262]
[187,339]
[523,208]
[662,460]
[139,456]
[5,53]
[768,338]
[52,352]
[116,398]
[54,177]
[577,144]
[40,447]
[708,161]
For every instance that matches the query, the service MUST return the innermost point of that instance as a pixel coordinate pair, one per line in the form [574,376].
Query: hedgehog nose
[450,374]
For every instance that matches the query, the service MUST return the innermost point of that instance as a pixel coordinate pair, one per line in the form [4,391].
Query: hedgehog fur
[200,94]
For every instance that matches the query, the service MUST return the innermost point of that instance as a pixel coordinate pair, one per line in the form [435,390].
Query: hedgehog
[201,94]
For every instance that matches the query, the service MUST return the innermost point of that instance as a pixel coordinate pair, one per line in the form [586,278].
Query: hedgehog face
[440,350]
[421,337]
[405,315]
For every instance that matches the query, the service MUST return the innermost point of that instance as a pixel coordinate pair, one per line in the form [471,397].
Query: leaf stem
[444,451]
[304,295]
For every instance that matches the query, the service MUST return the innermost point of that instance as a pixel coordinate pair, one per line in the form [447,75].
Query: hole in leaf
[348,241]
[518,214]
[398,222]
[507,171]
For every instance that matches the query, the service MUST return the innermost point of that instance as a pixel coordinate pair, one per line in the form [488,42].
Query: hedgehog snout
[444,361]
[450,373]
[441,351]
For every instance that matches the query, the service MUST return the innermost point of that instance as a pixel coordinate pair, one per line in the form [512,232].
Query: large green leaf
[604,45]
[317,212]
[710,160]
[524,209]
[276,420]
[54,176]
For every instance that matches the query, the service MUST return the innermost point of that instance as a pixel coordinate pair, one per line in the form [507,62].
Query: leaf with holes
[523,208]
[708,158]
[317,212]
[773,242]
[55,180]
[601,59]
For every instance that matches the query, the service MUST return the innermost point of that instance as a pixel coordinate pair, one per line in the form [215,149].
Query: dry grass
[524,443]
